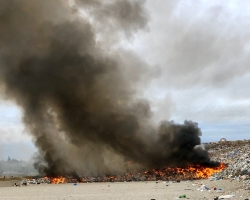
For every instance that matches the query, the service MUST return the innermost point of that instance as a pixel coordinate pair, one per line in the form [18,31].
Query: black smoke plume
[78,96]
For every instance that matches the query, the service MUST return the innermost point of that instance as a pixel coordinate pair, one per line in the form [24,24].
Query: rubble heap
[236,154]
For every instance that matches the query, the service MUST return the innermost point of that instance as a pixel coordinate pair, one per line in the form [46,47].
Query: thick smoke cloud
[78,99]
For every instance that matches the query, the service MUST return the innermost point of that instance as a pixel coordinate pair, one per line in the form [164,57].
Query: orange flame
[206,172]
[169,173]
[58,180]
[192,171]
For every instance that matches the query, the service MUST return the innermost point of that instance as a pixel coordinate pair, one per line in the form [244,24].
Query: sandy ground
[124,191]
[8,182]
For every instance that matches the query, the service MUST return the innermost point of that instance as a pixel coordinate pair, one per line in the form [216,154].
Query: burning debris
[79,95]
[167,174]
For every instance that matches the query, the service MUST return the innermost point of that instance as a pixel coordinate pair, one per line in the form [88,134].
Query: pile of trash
[236,155]
[233,153]
[31,181]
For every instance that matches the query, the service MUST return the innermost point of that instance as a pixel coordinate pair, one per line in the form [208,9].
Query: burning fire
[193,171]
[169,173]
[57,180]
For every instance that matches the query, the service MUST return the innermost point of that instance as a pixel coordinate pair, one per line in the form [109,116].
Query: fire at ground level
[167,174]
[234,153]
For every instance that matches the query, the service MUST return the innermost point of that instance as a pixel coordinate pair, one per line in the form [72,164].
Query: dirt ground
[124,191]
[7,182]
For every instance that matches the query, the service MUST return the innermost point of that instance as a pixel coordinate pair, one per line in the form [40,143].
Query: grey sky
[199,53]
[201,49]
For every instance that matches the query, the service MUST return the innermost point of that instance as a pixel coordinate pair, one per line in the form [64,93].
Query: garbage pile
[31,181]
[236,154]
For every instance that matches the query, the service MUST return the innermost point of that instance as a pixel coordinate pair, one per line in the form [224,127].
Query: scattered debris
[182,196]
[203,188]
[226,196]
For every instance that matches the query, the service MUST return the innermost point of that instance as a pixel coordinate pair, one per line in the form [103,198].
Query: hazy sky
[199,52]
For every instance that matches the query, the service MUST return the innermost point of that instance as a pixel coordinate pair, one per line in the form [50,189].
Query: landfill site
[232,182]
[98,98]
